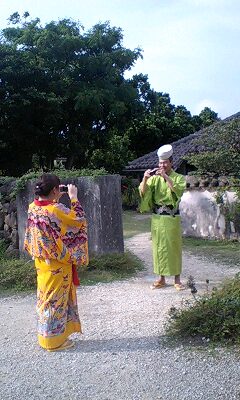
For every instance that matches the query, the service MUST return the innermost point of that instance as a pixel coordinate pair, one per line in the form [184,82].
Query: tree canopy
[218,149]
[63,92]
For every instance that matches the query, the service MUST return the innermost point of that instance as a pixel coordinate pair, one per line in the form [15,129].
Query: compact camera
[63,189]
[153,171]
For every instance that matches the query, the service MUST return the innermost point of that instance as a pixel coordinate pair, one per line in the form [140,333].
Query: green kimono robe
[166,229]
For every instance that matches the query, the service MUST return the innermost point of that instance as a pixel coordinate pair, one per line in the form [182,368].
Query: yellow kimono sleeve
[74,231]
[74,216]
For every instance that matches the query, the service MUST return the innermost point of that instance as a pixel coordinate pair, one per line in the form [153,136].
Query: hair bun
[38,189]
[45,184]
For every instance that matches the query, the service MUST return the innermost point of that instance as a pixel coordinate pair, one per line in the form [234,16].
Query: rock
[14,238]
[192,181]
[223,181]
[12,206]
[214,182]
[6,228]
[12,251]
[6,207]
[11,220]
[204,182]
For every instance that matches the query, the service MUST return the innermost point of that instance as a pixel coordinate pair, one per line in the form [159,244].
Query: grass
[135,223]
[222,251]
[110,267]
[17,275]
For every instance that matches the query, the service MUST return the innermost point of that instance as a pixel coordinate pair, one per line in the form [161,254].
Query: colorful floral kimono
[56,238]
[165,229]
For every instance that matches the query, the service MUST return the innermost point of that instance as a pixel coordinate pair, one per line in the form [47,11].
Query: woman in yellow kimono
[161,190]
[56,238]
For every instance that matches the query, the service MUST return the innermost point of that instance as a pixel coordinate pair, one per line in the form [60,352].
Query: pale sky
[191,48]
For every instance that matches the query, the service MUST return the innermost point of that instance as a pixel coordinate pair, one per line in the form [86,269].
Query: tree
[183,124]
[218,149]
[62,91]
[114,156]
[207,117]
[159,124]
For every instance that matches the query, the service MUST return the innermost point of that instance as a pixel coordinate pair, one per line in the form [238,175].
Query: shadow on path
[117,345]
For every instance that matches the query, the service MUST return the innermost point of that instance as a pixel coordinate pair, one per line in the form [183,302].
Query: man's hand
[147,174]
[150,172]
[162,172]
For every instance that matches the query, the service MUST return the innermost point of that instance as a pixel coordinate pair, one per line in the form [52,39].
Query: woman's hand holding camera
[70,189]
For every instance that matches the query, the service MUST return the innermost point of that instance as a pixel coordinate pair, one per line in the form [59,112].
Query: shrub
[215,317]
[62,173]
[130,193]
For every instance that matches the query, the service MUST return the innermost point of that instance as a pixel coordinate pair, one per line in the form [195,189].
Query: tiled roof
[181,148]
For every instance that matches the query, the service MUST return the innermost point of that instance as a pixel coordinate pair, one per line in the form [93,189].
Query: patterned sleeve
[74,231]
[74,215]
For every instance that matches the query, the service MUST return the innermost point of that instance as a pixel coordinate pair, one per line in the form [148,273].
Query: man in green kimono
[161,190]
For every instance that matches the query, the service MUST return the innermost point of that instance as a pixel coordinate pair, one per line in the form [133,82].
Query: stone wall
[8,218]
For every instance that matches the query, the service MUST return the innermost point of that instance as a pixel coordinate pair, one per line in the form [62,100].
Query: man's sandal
[158,285]
[179,286]
[66,345]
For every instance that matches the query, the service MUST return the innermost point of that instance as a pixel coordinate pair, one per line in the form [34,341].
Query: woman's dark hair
[45,184]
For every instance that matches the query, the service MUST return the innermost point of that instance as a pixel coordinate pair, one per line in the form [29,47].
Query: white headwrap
[165,152]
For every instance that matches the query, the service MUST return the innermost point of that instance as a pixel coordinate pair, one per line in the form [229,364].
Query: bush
[130,193]
[20,183]
[215,317]
[62,173]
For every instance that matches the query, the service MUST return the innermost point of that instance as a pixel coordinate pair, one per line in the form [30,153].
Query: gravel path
[123,354]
